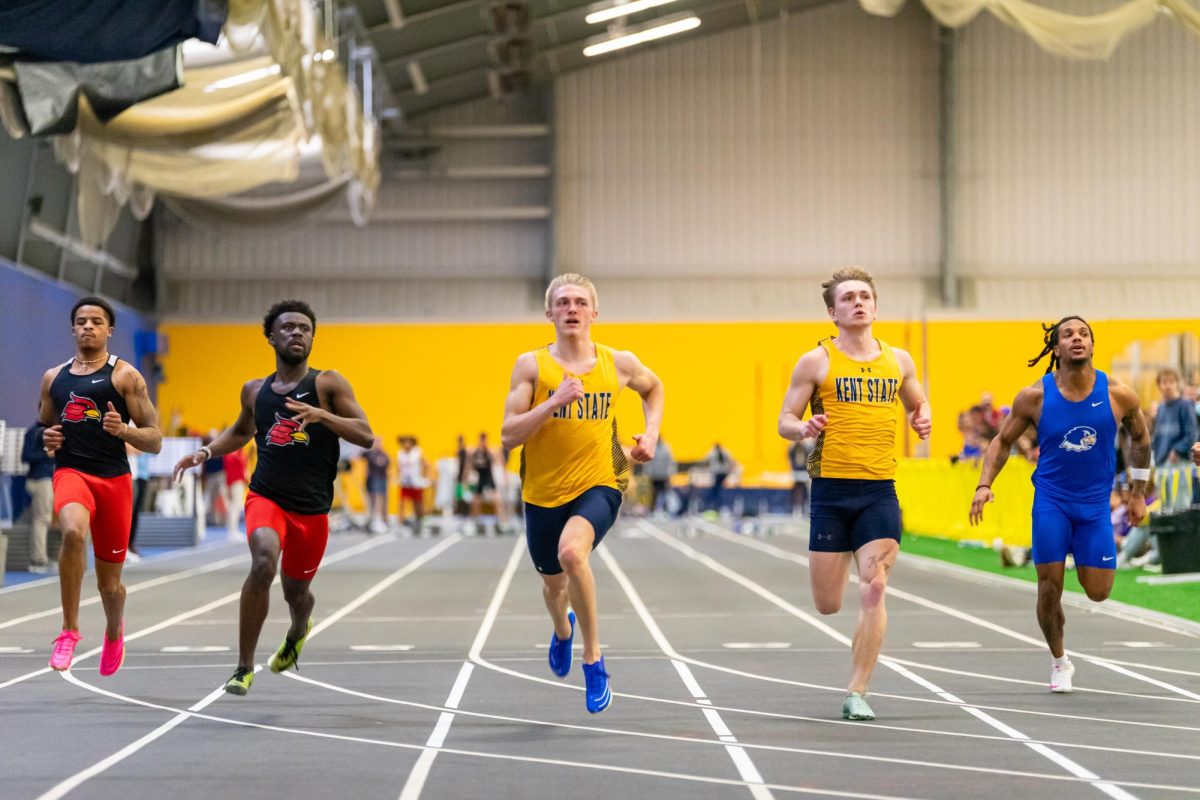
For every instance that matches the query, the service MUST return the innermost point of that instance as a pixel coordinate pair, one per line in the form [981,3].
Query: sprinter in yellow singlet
[852,382]
[561,407]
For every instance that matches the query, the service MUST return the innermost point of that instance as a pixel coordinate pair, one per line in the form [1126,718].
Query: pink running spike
[112,654]
[64,650]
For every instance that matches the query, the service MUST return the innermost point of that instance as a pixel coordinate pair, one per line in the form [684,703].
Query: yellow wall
[967,358]
[935,500]
[724,381]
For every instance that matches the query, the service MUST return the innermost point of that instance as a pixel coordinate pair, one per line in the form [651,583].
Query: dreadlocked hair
[1050,340]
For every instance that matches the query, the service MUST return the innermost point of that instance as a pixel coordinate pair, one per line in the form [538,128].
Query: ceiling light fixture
[605,12]
[658,29]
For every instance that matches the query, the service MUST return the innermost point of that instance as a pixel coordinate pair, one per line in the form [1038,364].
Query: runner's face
[572,310]
[1074,343]
[292,337]
[91,328]
[853,305]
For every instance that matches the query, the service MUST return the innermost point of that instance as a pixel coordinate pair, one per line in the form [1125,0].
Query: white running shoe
[1060,678]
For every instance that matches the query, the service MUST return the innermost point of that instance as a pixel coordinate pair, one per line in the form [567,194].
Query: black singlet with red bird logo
[296,468]
[80,402]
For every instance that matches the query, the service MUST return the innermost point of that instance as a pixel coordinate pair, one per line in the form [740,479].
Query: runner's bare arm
[521,421]
[132,386]
[52,437]
[799,396]
[1134,423]
[912,394]
[1025,410]
[235,437]
[640,379]
[345,418]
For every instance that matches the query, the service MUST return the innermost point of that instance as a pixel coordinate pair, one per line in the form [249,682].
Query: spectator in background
[377,486]
[414,479]
[798,455]
[720,465]
[1174,422]
[41,494]
[461,490]
[659,470]
[235,489]
[482,465]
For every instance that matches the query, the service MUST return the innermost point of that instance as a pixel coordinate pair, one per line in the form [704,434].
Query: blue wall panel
[35,334]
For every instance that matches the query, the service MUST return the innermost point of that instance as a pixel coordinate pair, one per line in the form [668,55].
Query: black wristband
[983,486]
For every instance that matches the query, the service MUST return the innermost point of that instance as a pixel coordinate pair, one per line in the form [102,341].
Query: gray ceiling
[463,54]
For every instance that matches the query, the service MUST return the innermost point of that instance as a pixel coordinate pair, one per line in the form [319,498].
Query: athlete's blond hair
[843,274]
[571,279]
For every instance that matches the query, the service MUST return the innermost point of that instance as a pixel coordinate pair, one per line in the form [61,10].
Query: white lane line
[76,780]
[996,772]
[130,637]
[1110,608]
[137,587]
[780,553]
[1061,760]
[841,689]
[690,778]
[146,704]
[947,645]
[381,648]
[204,609]
[420,771]
[99,767]
[756,645]
[782,748]
[1040,684]
[52,579]
[412,566]
[741,760]
[206,648]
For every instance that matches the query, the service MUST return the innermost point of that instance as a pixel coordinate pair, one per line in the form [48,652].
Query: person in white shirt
[413,471]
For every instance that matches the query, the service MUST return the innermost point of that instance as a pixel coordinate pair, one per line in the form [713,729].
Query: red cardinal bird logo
[285,432]
[80,409]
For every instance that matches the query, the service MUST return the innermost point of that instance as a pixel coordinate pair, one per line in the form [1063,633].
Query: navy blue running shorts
[849,512]
[544,526]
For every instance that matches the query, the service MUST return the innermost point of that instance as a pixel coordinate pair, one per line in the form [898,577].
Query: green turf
[1180,599]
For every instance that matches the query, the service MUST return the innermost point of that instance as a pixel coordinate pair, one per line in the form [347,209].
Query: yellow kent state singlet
[577,448]
[859,398]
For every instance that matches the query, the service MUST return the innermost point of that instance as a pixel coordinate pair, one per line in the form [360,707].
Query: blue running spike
[599,695]
[560,650]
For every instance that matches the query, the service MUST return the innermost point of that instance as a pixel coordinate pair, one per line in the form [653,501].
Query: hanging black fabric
[50,90]
[93,31]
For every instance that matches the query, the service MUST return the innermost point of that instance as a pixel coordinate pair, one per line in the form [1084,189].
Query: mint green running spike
[855,707]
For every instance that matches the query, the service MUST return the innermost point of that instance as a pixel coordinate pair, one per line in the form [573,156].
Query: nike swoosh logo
[1108,558]
[307,571]
[98,380]
[301,395]
[1098,404]
[118,552]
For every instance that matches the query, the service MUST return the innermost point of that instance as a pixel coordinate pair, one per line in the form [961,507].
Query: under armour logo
[864,369]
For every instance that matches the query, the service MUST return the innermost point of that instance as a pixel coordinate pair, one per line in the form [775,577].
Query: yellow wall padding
[1091,37]
[724,380]
[935,498]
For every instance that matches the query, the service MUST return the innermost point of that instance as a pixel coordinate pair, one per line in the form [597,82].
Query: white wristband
[207,452]
[1139,473]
